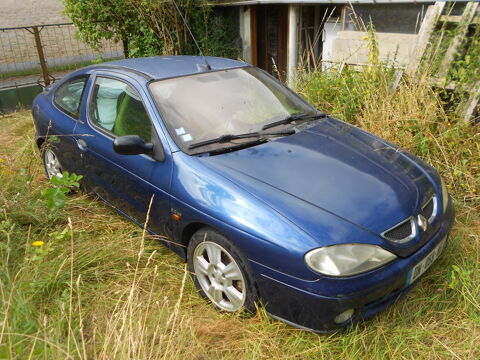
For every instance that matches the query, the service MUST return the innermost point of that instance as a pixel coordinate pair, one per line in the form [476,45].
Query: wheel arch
[40,141]
[191,229]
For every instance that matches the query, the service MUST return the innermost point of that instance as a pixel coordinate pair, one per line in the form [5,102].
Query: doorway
[269,35]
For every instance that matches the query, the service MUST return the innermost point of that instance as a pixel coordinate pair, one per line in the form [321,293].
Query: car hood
[332,167]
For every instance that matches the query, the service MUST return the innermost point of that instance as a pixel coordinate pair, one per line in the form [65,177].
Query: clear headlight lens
[444,195]
[347,259]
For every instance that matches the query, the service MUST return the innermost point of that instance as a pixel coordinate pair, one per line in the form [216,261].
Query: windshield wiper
[229,137]
[292,118]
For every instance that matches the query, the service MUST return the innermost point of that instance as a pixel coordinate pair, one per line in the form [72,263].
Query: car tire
[51,162]
[220,272]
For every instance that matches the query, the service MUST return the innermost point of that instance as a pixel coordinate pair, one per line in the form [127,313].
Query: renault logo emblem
[422,222]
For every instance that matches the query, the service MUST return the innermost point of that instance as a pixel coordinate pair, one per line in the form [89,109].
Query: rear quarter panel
[57,128]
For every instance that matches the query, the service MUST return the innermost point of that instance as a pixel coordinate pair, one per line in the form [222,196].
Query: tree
[155,27]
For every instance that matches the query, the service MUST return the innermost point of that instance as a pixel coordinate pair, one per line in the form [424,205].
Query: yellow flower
[38,243]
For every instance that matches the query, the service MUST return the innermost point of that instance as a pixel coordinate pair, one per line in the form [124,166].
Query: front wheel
[220,272]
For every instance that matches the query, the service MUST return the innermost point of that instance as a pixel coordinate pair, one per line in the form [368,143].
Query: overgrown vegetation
[413,115]
[80,282]
[150,27]
[459,79]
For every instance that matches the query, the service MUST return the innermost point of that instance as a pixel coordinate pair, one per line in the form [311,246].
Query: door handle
[82,144]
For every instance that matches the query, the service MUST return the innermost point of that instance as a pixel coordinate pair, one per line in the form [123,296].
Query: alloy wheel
[52,164]
[219,276]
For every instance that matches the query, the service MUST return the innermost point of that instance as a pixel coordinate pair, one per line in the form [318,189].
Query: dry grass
[109,292]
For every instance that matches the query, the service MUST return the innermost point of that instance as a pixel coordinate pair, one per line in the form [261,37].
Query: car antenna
[193,37]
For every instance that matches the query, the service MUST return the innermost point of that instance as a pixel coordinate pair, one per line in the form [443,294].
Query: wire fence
[41,54]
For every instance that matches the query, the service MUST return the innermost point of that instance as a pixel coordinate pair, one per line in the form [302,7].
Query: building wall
[388,18]
[352,47]
[396,26]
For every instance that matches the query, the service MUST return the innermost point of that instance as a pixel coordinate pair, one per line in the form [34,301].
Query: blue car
[269,200]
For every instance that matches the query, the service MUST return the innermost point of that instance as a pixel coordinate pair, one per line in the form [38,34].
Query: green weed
[55,195]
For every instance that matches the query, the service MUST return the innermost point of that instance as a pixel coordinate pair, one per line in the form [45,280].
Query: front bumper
[297,302]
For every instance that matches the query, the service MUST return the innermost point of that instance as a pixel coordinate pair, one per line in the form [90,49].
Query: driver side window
[117,108]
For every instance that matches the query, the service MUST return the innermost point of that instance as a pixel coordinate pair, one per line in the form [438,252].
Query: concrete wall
[351,47]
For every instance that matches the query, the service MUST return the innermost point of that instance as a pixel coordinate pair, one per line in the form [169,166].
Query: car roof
[162,67]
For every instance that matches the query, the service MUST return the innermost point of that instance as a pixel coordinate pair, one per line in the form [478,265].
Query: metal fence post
[41,55]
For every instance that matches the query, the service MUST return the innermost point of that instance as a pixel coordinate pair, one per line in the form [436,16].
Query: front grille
[429,209]
[407,229]
[400,233]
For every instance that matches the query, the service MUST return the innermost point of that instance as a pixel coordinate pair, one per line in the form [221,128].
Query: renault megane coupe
[268,199]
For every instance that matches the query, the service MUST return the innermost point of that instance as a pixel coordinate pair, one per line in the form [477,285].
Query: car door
[62,120]
[118,106]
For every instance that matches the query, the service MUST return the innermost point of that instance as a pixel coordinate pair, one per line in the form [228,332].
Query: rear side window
[68,96]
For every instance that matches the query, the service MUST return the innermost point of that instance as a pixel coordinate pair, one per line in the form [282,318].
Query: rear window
[69,95]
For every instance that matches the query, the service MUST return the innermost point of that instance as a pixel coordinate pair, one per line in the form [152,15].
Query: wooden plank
[428,24]
[451,18]
[467,16]
[440,83]
[471,105]
[396,80]
[343,14]
[456,18]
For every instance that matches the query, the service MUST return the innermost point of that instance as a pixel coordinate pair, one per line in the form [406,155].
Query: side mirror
[131,145]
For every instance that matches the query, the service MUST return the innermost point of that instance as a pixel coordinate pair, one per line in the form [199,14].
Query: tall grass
[412,116]
[99,288]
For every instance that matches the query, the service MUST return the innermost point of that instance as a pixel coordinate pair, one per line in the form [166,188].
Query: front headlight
[347,259]
[444,195]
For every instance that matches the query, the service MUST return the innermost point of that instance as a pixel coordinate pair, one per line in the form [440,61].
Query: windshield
[206,106]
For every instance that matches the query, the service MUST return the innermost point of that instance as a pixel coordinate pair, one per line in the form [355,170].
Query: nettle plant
[56,194]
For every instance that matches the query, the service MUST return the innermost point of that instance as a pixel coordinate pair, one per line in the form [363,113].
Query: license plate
[426,262]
